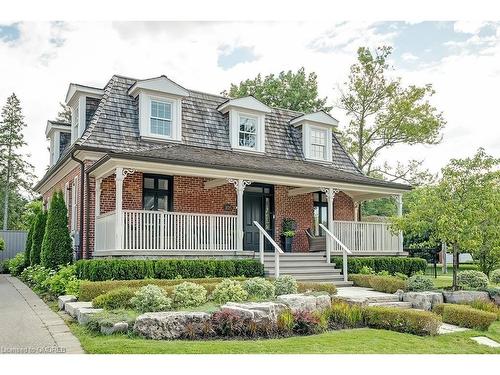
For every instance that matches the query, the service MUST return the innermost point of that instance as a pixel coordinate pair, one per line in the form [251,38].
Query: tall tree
[56,245]
[37,237]
[17,172]
[461,210]
[384,113]
[295,91]
[64,115]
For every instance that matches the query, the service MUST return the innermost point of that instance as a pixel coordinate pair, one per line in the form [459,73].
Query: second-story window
[75,117]
[318,144]
[161,118]
[248,131]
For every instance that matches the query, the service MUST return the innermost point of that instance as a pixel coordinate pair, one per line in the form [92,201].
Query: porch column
[240,186]
[399,199]
[97,200]
[330,194]
[356,210]
[119,177]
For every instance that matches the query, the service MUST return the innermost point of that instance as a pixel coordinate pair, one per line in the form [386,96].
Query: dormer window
[75,119]
[161,118]
[316,135]
[247,118]
[160,108]
[59,135]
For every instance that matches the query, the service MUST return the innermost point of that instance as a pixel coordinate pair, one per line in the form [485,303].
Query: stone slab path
[450,328]
[28,325]
[486,341]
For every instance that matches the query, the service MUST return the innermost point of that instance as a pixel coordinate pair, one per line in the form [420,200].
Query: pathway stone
[450,328]
[486,341]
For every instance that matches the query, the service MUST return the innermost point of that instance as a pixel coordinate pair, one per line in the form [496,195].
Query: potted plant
[288,228]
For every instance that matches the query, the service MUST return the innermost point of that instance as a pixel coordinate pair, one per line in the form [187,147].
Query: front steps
[305,267]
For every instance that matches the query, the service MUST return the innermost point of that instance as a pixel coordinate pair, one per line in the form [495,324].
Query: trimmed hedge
[386,284]
[408,266]
[416,322]
[465,316]
[132,269]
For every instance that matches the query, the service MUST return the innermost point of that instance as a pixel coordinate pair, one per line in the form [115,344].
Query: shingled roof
[114,128]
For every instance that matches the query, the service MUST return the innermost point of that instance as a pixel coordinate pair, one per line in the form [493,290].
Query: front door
[257,205]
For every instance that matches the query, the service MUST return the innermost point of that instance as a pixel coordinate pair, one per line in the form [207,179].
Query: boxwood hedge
[408,266]
[134,269]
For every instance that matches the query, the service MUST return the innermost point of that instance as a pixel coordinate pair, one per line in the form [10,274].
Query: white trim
[75,89]
[307,128]
[74,204]
[145,99]
[234,130]
[319,118]
[161,85]
[245,103]
[107,168]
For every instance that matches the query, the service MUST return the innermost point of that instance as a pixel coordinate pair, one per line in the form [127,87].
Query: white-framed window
[248,128]
[318,143]
[74,204]
[160,119]
[66,197]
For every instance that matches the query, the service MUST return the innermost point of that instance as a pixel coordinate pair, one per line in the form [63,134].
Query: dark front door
[257,205]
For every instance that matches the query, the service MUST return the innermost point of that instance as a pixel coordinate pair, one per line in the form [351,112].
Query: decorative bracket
[327,191]
[127,171]
[239,185]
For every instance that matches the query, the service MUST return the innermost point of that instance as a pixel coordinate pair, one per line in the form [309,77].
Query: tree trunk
[455,266]
[6,196]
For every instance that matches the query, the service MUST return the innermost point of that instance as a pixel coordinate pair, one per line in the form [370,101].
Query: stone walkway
[28,325]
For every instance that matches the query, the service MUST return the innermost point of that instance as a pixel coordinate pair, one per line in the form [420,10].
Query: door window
[157,193]
[320,213]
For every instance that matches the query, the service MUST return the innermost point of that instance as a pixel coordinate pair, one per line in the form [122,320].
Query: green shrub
[189,294]
[109,318]
[29,244]
[472,280]
[64,281]
[229,291]
[285,284]
[4,266]
[387,284]
[361,280]
[114,299]
[16,264]
[401,276]
[495,276]
[37,239]
[2,244]
[37,277]
[419,283]
[259,288]
[306,323]
[493,291]
[56,245]
[365,270]
[285,322]
[91,289]
[343,315]
[303,287]
[383,273]
[488,306]
[151,298]
[134,269]
[416,322]
[465,316]
[408,266]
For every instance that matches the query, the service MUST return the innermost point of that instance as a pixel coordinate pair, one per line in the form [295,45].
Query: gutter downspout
[87,212]
[82,178]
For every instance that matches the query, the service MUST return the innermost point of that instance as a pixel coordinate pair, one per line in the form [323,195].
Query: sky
[461,60]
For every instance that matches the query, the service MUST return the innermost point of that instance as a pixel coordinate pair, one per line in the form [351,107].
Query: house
[149,168]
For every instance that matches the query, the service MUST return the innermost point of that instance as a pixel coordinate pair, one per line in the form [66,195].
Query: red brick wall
[190,195]
[132,193]
[299,208]
[343,207]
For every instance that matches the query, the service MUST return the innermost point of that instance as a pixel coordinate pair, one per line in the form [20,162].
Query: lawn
[363,340]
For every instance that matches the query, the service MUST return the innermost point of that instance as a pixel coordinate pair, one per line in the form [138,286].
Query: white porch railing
[277,250]
[365,237]
[154,230]
[345,251]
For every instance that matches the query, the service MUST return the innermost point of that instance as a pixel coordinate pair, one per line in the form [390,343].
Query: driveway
[28,325]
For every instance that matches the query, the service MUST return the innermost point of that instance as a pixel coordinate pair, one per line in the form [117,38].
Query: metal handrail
[345,250]
[277,250]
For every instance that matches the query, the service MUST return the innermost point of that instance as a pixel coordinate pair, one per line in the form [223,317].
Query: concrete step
[299,264]
[305,271]
[296,259]
[400,305]
[383,298]
[313,277]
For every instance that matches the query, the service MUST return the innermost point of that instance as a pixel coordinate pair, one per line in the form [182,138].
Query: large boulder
[423,300]
[62,300]
[256,311]
[305,302]
[72,307]
[465,296]
[84,314]
[167,325]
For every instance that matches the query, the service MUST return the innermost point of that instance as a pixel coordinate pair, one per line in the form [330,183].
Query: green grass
[363,340]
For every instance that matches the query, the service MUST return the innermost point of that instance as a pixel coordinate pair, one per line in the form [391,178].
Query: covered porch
[209,212]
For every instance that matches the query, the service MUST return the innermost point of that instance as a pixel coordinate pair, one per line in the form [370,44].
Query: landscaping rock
[62,300]
[120,327]
[400,294]
[496,298]
[465,296]
[72,307]
[305,302]
[423,300]
[256,311]
[83,314]
[167,325]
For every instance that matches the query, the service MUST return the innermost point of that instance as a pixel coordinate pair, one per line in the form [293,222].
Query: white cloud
[408,56]
[48,56]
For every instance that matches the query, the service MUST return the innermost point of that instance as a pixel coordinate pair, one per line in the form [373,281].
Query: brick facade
[190,195]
